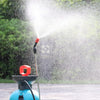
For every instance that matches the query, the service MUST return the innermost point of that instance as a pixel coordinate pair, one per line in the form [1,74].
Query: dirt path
[58,92]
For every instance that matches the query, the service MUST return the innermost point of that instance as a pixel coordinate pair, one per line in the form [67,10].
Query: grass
[6,81]
[69,82]
[57,81]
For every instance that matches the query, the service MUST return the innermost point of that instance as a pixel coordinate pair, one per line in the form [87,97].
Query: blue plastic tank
[24,95]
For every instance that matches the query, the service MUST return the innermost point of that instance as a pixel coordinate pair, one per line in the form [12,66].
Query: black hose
[30,89]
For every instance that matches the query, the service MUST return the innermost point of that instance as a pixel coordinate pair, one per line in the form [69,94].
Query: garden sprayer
[25,80]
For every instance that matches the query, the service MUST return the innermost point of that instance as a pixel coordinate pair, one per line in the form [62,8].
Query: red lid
[28,70]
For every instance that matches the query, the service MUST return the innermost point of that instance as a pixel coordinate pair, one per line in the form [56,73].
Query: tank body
[24,95]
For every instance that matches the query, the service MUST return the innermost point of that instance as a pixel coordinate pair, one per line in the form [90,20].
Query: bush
[12,9]
[14,42]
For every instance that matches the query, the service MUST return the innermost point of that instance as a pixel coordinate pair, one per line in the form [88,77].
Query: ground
[57,92]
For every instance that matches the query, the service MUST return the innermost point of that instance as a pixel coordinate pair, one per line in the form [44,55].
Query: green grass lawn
[69,81]
[6,81]
[56,81]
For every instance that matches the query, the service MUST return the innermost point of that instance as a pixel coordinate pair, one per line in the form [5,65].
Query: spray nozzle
[34,48]
[37,40]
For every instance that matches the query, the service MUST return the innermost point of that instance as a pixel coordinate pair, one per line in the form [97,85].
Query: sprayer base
[19,78]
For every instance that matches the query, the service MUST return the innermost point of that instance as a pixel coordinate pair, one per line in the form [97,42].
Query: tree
[11,9]
[15,43]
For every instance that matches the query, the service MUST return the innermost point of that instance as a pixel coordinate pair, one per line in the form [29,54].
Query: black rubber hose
[30,89]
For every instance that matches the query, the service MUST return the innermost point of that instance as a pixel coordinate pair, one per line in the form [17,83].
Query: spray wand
[35,51]
[34,48]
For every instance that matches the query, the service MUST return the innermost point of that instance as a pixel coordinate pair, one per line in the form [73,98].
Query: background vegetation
[15,37]
[16,41]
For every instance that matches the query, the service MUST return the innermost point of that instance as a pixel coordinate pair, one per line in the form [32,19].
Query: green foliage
[68,2]
[11,9]
[13,43]
[6,81]
[75,3]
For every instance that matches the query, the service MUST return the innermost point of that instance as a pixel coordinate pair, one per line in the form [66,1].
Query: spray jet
[34,48]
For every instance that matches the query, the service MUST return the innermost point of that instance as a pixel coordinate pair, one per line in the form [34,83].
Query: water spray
[25,80]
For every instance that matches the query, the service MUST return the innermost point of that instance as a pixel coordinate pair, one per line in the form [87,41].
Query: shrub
[15,40]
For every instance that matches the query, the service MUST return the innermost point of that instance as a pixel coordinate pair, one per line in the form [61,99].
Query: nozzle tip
[37,40]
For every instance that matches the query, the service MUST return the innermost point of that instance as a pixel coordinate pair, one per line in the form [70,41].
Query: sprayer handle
[34,47]
[34,50]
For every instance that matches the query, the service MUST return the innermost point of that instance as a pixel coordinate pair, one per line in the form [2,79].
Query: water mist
[70,46]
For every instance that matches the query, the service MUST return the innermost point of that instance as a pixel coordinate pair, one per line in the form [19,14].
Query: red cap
[37,40]
[21,70]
